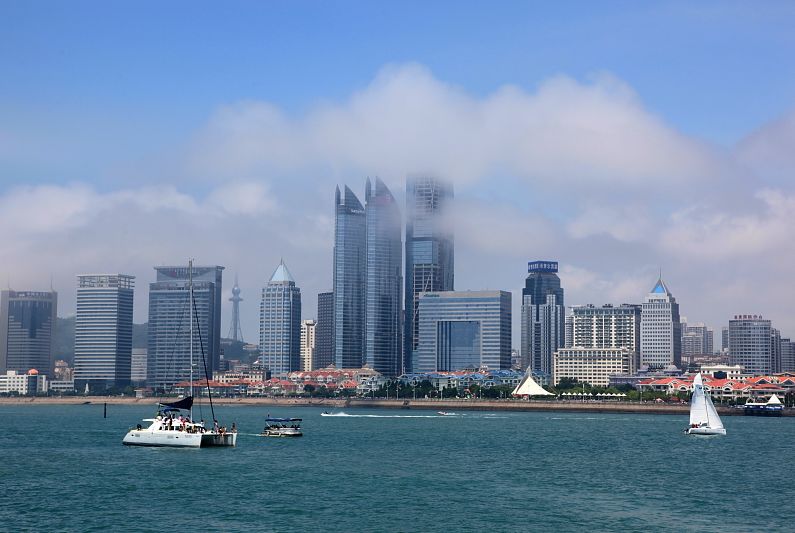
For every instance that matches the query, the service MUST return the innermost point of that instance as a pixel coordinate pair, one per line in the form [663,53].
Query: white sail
[774,400]
[529,387]
[698,404]
[714,420]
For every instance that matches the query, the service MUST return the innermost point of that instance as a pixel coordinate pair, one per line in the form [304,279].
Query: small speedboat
[282,427]
[445,413]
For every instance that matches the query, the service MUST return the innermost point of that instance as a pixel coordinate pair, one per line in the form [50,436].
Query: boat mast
[190,304]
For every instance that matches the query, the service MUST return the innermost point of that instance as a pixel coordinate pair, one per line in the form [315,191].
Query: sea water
[63,468]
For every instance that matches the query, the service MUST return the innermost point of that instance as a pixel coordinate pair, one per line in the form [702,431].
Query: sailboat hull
[170,439]
[706,431]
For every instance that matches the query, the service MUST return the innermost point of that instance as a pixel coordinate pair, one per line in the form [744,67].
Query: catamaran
[171,427]
[704,419]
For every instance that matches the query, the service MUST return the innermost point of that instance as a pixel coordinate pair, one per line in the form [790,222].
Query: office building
[543,320]
[28,383]
[607,326]
[696,339]
[103,331]
[750,343]
[429,251]
[324,331]
[464,329]
[350,264]
[787,355]
[27,327]
[660,329]
[383,305]
[593,365]
[308,339]
[775,350]
[280,323]
[568,337]
[168,352]
[724,339]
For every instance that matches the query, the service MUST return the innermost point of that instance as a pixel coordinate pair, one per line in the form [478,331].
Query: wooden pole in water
[105,410]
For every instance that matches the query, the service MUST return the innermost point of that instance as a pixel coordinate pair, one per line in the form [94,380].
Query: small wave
[346,415]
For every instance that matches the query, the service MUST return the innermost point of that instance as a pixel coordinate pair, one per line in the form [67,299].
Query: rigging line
[204,360]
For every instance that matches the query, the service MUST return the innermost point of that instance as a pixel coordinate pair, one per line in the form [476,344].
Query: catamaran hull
[170,439]
[218,439]
[706,431]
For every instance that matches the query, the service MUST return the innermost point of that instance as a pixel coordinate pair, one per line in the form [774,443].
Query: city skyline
[135,171]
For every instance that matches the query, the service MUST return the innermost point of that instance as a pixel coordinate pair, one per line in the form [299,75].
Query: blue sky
[99,100]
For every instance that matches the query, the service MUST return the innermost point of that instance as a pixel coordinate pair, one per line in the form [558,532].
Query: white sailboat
[704,419]
[170,428]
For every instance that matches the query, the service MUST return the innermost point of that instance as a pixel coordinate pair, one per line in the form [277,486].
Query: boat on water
[171,427]
[772,407]
[704,419]
[445,413]
[282,427]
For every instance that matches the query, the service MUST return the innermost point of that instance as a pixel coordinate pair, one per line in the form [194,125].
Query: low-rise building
[592,365]
[30,383]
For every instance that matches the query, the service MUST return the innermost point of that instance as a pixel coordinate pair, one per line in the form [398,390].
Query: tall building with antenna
[235,331]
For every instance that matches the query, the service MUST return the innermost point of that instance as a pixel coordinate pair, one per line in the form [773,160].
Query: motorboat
[282,427]
[772,407]
[445,413]
[704,419]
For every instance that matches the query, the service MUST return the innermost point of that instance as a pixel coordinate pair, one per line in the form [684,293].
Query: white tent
[528,387]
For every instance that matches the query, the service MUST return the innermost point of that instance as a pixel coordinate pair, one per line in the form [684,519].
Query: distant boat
[772,407]
[704,419]
[282,427]
[445,413]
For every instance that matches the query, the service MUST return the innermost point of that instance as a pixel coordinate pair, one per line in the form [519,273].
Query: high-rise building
[750,343]
[607,326]
[464,329]
[787,355]
[696,339]
[103,331]
[568,338]
[27,327]
[775,350]
[709,344]
[168,352]
[308,339]
[724,339]
[324,331]
[350,266]
[543,320]
[660,329]
[382,334]
[280,323]
[429,251]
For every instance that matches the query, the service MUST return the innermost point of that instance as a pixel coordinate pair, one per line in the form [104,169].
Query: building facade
[660,329]
[138,366]
[350,265]
[308,344]
[27,327]
[593,365]
[750,343]
[28,383]
[280,323]
[103,331]
[787,355]
[607,327]
[430,251]
[324,331]
[169,335]
[383,349]
[543,316]
[464,329]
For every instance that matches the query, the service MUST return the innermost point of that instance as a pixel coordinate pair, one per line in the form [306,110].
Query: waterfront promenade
[427,404]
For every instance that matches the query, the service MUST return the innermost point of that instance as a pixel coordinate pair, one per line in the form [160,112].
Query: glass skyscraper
[429,251]
[543,316]
[27,326]
[382,343]
[349,279]
[280,323]
[103,331]
[168,352]
[464,329]
[750,343]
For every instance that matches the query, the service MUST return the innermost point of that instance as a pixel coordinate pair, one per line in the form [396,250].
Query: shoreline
[421,404]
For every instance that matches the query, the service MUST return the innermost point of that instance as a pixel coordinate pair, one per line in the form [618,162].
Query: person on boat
[234,428]
[215,426]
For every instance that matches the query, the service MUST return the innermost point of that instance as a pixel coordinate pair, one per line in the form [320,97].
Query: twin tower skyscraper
[369,324]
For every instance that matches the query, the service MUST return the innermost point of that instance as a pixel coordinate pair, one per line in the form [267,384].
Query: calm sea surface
[64,468]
